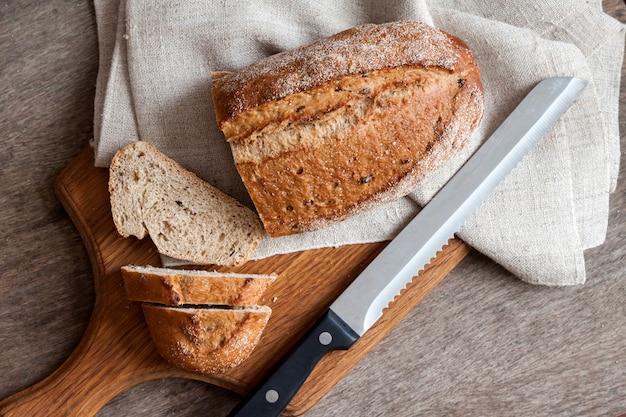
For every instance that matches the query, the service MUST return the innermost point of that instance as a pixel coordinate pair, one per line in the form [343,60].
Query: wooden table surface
[482,343]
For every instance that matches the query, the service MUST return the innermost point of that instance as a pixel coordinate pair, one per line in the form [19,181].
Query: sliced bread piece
[179,286]
[205,340]
[186,217]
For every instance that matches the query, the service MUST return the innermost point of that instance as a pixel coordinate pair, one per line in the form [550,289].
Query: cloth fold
[156,60]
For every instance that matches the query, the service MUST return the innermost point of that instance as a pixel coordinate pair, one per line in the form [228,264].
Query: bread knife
[362,303]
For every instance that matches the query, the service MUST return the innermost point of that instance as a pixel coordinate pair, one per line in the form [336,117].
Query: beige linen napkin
[156,60]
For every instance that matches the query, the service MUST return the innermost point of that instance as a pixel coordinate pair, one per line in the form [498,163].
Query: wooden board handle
[83,384]
[94,373]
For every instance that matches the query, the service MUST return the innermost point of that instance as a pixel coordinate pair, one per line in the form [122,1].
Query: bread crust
[337,127]
[358,50]
[175,287]
[206,341]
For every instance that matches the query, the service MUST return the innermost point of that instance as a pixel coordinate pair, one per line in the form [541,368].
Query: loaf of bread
[333,128]
[176,287]
[186,217]
[205,340]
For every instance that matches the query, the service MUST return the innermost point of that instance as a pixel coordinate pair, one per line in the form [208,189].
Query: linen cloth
[154,79]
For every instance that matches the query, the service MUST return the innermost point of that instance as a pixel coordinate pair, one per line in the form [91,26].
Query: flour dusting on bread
[331,129]
[358,50]
[205,340]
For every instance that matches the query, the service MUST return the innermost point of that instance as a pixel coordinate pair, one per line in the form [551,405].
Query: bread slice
[205,340]
[176,287]
[339,126]
[186,217]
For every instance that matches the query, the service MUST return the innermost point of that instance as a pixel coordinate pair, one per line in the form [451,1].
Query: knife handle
[271,397]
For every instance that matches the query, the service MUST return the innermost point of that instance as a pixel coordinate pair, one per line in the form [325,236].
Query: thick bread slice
[205,340]
[186,217]
[175,287]
[336,127]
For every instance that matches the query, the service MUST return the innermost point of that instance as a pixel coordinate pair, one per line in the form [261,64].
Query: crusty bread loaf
[205,340]
[176,287]
[186,217]
[335,127]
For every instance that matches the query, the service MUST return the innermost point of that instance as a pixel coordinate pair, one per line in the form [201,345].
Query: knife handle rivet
[325,338]
[271,396]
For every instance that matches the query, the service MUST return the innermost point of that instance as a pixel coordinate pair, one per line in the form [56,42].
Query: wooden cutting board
[116,351]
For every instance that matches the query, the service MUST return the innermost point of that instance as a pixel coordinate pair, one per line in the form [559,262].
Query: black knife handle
[272,396]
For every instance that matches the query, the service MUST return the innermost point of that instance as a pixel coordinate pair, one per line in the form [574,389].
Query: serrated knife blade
[362,303]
